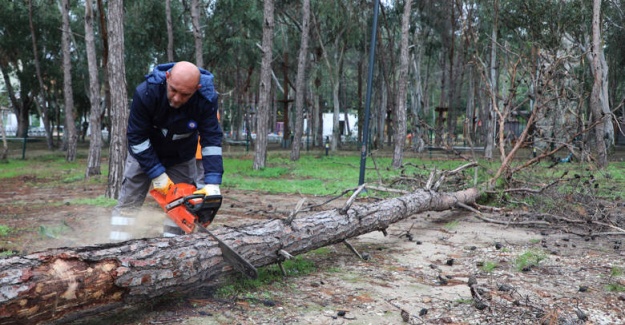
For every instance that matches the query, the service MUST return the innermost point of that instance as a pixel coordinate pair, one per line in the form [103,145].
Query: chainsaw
[193,213]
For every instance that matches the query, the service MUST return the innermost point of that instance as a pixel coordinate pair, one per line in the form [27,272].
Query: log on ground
[60,285]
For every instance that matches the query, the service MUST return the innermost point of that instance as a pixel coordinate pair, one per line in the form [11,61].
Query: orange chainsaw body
[185,208]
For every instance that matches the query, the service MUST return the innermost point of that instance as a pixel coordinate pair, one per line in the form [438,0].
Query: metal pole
[365,132]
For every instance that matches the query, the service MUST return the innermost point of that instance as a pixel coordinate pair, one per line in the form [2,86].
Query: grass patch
[313,175]
[616,271]
[452,225]
[615,287]
[297,266]
[489,266]
[529,259]
[4,230]
[100,201]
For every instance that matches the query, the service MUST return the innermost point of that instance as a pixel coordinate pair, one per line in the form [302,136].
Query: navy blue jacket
[160,136]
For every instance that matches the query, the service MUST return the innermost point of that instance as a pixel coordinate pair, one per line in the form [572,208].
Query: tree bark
[596,103]
[400,111]
[491,119]
[170,32]
[197,33]
[119,99]
[95,139]
[300,84]
[61,285]
[106,90]
[260,155]
[5,146]
[69,132]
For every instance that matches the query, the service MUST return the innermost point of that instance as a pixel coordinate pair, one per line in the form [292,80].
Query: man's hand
[162,184]
[208,190]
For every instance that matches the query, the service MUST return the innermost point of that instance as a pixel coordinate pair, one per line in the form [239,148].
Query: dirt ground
[418,273]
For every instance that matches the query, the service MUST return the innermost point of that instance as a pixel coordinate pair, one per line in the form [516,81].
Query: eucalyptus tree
[300,84]
[260,154]
[170,31]
[614,46]
[599,105]
[43,100]
[144,43]
[70,127]
[197,32]
[334,24]
[232,52]
[559,71]
[95,143]
[119,98]
[16,60]
[400,113]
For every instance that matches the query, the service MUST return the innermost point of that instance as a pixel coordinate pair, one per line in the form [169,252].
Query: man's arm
[211,137]
[139,126]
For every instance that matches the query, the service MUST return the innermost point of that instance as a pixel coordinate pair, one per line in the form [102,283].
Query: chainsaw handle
[198,206]
[193,207]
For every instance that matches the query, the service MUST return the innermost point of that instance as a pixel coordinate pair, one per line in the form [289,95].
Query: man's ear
[167,74]
[199,86]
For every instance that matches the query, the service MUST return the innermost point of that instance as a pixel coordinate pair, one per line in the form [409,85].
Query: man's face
[179,89]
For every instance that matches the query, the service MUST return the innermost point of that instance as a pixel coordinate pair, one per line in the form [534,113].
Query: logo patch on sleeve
[192,125]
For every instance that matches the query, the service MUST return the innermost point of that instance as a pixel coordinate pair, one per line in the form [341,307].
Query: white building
[352,122]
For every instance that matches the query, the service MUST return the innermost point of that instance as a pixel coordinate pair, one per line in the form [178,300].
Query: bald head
[182,82]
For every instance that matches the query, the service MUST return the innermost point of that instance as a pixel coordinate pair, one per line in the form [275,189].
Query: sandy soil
[418,273]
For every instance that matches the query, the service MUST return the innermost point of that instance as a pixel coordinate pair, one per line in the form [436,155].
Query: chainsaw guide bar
[193,213]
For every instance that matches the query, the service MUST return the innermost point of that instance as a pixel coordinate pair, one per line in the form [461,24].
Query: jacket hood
[207,90]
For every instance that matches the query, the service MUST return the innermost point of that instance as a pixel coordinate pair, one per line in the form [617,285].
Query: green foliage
[286,179]
[452,225]
[616,271]
[615,287]
[51,166]
[297,266]
[464,301]
[4,230]
[529,259]
[99,201]
[489,266]
[316,175]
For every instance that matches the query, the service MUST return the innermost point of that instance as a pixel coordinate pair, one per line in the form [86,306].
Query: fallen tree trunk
[60,285]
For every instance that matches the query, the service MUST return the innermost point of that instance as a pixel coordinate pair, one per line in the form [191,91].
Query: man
[176,103]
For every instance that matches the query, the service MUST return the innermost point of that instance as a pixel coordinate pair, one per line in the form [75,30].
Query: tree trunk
[18,108]
[5,146]
[119,98]
[42,95]
[400,112]
[106,90]
[418,101]
[95,139]
[596,103]
[170,31]
[300,84]
[260,155]
[64,284]
[69,132]
[197,32]
[491,119]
